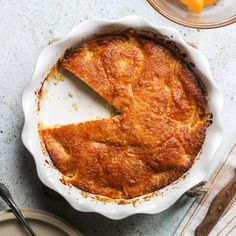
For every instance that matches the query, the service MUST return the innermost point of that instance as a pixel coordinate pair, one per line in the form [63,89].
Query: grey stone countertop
[26,27]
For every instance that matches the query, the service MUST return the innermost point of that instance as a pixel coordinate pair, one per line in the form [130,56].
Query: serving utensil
[6,196]
[217,208]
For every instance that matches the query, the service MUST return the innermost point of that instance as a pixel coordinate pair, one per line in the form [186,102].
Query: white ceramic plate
[42,222]
[57,107]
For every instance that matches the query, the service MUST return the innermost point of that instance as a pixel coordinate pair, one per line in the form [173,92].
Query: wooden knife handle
[217,207]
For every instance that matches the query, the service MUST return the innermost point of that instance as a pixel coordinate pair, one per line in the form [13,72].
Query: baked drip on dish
[158,132]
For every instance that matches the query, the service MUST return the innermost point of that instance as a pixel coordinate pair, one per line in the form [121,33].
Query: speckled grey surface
[26,26]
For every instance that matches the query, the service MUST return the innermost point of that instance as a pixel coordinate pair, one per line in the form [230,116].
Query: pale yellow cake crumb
[75,106]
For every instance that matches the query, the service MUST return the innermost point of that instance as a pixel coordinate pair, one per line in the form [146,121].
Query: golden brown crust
[160,128]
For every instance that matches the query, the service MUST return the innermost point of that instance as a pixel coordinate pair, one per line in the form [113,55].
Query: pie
[159,127]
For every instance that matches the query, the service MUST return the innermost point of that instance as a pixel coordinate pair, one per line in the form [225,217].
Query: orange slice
[208,2]
[197,5]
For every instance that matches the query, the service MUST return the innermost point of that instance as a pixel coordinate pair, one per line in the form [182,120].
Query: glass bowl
[222,13]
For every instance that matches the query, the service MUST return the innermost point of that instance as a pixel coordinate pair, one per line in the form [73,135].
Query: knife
[217,208]
[6,196]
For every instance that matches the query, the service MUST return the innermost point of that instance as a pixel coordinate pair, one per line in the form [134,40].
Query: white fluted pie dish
[60,106]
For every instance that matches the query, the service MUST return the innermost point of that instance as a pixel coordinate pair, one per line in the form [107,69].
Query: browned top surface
[160,128]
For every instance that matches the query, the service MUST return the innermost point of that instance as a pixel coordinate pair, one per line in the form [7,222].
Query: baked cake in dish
[157,132]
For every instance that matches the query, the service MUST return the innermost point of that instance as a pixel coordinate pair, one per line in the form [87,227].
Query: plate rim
[43,216]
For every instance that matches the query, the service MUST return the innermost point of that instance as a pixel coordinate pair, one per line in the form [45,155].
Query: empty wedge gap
[67,99]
